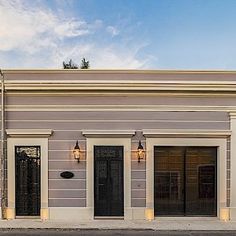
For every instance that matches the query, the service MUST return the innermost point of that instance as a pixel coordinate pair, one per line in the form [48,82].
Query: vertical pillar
[3,164]
[149,213]
[233,167]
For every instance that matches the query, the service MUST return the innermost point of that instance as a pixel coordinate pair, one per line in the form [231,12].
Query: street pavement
[77,232]
[167,224]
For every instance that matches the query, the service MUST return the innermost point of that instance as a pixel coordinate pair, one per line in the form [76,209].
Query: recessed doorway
[185,181]
[108,181]
[27,179]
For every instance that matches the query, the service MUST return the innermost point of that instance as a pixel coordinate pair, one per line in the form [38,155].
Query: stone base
[86,213]
[149,214]
[232,213]
[224,214]
[70,213]
[10,213]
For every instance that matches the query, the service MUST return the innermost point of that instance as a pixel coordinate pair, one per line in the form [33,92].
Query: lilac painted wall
[119,75]
[67,125]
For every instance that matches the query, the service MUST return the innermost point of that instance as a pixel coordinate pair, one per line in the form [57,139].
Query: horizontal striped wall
[118,75]
[65,99]
[66,192]
[67,128]
[74,121]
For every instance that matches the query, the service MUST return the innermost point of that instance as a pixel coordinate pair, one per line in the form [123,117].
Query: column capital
[232,115]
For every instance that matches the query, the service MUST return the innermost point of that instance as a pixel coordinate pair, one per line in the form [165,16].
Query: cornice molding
[34,133]
[190,133]
[123,107]
[232,115]
[108,133]
[121,85]
[123,93]
[117,71]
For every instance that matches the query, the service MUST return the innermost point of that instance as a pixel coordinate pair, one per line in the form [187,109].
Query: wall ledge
[190,133]
[108,133]
[29,132]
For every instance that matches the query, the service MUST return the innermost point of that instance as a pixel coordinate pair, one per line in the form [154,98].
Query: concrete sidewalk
[166,223]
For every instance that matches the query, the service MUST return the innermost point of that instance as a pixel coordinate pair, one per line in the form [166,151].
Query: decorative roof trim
[29,132]
[117,71]
[123,107]
[108,133]
[232,115]
[122,86]
[190,133]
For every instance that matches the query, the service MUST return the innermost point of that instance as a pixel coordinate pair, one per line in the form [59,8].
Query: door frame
[11,143]
[220,143]
[108,166]
[20,168]
[126,143]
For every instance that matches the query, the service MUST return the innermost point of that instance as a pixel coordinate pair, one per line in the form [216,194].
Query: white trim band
[194,133]
[29,132]
[108,133]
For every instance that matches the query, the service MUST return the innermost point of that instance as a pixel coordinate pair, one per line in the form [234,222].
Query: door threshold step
[109,218]
[27,217]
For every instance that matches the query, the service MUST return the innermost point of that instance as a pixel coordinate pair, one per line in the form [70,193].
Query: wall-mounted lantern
[76,151]
[140,151]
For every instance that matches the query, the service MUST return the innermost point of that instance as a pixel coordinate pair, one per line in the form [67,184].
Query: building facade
[72,140]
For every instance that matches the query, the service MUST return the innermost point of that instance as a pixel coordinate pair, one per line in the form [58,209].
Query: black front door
[27,187]
[185,181]
[108,181]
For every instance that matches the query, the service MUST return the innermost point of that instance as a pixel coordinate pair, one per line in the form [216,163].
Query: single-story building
[123,144]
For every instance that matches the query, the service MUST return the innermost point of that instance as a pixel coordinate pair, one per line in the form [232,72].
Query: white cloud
[112,30]
[108,57]
[33,36]
[113,58]
[30,29]
[71,29]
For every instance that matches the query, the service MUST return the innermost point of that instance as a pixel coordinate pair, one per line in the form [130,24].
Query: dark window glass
[185,181]
[108,181]
[27,190]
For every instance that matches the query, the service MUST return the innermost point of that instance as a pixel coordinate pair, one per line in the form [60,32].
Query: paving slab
[167,223]
[76,232]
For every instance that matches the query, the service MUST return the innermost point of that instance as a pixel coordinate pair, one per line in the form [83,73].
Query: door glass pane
[185,181]
[27,190]
[116,189]
[169,180]
[101,170]
[101,182]
[200,181]
[108,181]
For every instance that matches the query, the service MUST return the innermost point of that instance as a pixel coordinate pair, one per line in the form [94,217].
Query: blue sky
[128,34]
